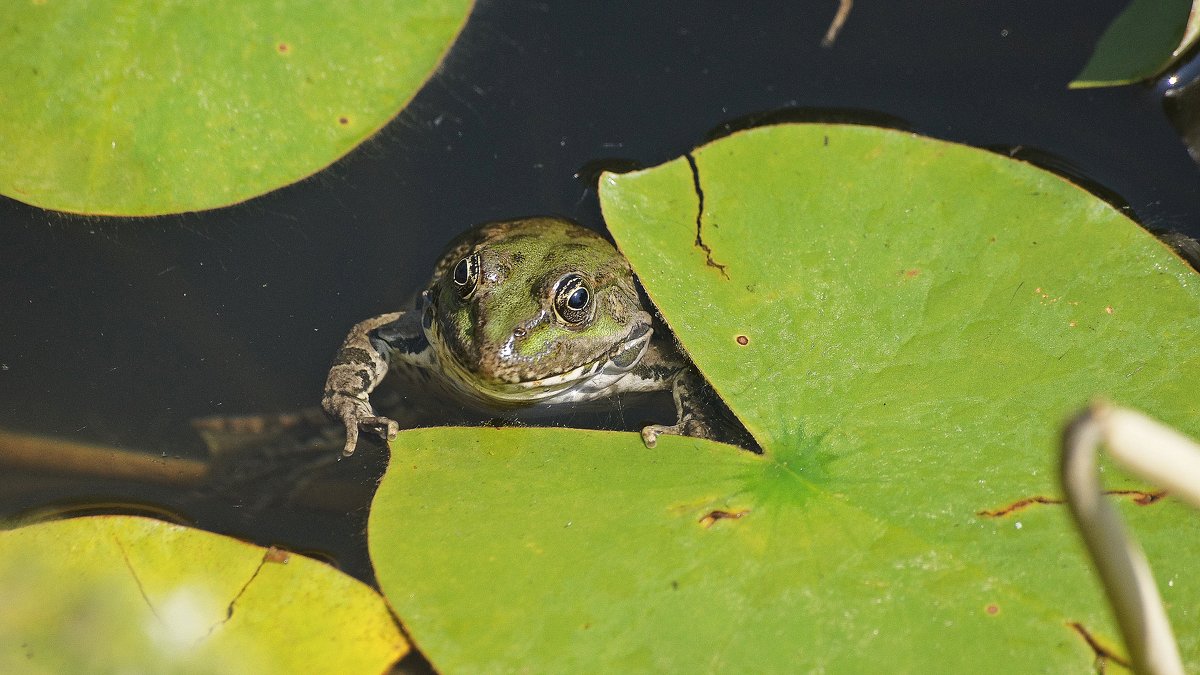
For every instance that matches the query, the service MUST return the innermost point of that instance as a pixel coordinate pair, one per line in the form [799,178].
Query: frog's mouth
[607,369]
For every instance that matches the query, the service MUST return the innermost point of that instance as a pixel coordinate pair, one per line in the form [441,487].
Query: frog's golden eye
[465,275]
[572,299]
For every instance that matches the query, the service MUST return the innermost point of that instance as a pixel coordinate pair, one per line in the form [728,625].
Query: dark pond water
[119,332]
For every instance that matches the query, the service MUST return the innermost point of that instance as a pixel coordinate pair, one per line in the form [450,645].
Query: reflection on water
[1181,102]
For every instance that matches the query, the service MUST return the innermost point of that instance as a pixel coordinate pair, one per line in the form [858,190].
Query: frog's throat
[622,357]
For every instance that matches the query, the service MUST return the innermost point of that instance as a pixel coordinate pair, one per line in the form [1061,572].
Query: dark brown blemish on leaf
[717,514]
[1139,497]
[343,120]
[1103,653]
[992,609]
[708,255]
[283,48]
[743,340]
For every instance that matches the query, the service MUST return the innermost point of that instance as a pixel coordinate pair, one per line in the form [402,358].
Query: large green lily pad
[919,319]
[121,108]
[115,594]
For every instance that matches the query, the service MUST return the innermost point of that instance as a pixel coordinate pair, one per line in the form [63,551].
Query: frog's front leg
[686,388]
[360,366]
[663,366]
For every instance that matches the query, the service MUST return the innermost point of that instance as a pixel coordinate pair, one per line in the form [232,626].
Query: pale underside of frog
[518,313]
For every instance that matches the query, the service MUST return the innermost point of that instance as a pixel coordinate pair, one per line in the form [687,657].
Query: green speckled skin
[521,261]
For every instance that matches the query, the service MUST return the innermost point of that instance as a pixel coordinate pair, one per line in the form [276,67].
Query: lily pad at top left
[148,108]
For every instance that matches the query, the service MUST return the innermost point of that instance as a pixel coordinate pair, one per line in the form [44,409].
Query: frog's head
[520,310]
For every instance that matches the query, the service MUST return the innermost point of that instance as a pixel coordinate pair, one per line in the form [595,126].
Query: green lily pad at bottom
[904,325]
[568,551]
[118,594]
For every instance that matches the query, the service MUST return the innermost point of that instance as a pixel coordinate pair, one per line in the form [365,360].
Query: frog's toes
[688,426]
[650,434]
[384,426]
[351,439]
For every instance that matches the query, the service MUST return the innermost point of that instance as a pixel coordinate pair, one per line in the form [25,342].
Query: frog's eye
[572,299]
[465,275]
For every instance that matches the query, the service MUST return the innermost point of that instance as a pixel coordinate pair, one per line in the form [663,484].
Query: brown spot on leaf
[1140,498]
[717,514]
[283,48]
[277,555]
[743,340]
[992,609]
[912,274]
[343,120]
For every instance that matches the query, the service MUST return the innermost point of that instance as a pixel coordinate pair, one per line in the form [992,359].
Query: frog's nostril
[519,332]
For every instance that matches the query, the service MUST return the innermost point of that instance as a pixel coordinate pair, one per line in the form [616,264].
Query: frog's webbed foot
[356,414]
[688,388]
[385,427]
[358,368]
[687,426]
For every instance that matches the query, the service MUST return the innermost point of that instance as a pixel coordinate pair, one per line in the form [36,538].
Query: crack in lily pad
[241,591]
[708,254]
[136,579]
[1103,653]
[1139,497]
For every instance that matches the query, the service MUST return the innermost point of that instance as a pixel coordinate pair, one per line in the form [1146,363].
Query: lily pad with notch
[904,325]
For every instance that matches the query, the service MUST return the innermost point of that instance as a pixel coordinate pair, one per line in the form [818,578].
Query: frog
[535,311]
